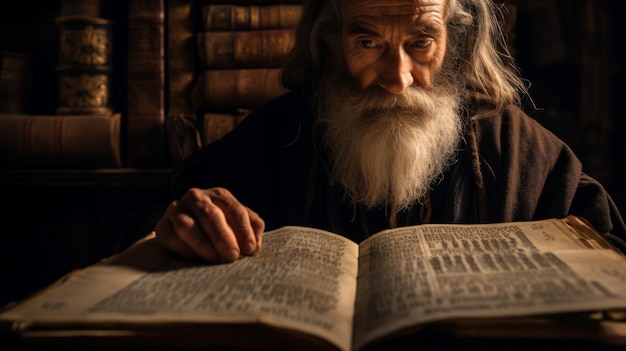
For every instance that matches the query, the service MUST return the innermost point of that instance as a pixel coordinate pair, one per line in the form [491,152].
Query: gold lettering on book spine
[85,41]
[85,90]
[89,46]
[85,65]
[81,93]
[218,17]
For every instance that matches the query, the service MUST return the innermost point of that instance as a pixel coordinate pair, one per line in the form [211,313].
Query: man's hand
[210,224]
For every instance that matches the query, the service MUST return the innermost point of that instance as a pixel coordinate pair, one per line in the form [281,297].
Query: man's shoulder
[513,132]
[275,123]
[512,120]
[287,104]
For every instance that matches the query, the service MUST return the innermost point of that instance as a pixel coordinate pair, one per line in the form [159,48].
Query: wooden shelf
[109,177]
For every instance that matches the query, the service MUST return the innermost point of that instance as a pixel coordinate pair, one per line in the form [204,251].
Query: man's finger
[166,237]
[239,219]
[210,220]
[258,227]
[180,232]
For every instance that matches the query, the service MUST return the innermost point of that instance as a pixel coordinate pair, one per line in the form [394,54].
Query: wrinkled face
[393,44]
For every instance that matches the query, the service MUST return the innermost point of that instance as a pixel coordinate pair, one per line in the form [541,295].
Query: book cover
[215,125]
[89,8]
[85,65]
[181,56]
[16,81]
[249,2]
[183,137]
[236,88]
[60,141]
[225,17]
[245,49]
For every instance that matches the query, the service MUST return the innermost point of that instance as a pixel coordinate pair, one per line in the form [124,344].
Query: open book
[310,289]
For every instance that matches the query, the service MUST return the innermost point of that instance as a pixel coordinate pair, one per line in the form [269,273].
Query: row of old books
[89,129]
[180,75]
[241,47]
[146,83]
[85,129]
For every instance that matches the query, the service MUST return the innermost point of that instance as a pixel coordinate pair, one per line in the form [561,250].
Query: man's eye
[368,44]
[420,44]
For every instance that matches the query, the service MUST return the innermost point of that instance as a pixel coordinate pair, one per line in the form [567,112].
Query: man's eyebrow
[360,28]
[427,29]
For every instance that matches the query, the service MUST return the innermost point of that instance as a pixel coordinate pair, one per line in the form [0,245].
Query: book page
[414,275]
[302,279]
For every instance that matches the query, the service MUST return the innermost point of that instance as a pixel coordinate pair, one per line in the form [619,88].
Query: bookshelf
[55,221]
[109,177]
[60,219]
[572,54]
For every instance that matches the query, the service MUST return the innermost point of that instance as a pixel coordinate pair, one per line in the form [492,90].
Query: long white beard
[388,149]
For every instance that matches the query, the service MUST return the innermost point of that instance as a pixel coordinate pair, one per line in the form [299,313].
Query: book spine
[245,49]
[181,57]
[216,125]
[250,2]
[145,139]
[16,81]
[88,8]
[236,88]
[60,141]
[183,137]
[241,47]
[252,17]
[85,68]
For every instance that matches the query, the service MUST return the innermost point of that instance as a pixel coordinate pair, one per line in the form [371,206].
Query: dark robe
[272,164]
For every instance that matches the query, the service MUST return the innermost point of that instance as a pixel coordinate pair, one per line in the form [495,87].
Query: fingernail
[234,255]
[250,247]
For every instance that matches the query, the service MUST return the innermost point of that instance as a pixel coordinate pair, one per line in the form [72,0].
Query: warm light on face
[393,44]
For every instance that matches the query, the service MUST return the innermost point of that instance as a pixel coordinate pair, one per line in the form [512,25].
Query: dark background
[569,49]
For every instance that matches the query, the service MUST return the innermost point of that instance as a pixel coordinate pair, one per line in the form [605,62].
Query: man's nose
[395,74]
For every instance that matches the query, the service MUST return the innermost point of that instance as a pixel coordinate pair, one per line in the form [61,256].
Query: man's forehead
[389,7]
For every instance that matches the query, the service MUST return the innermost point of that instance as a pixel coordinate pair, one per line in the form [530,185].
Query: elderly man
[400,112]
